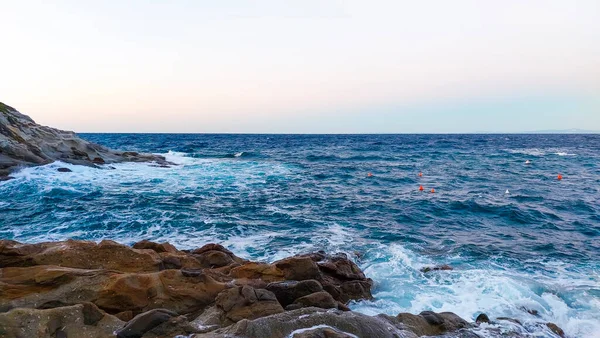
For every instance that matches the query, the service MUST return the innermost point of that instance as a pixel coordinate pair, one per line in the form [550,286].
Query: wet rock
[429,323]
[554,328]
[482,318]
[512,320]
[287,292]
[5,178]
[145,322]
[98,160]
[69,321]
[437,268]
[64,170]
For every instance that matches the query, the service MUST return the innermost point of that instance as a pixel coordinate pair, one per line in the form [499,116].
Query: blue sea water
[517,237]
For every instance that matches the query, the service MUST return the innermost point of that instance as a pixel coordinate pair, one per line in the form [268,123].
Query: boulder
[64,170]
[246,303]
[287,292]
[429,323]
[157,247]
[554,328]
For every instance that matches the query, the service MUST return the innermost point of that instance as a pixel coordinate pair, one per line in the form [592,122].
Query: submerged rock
[24,143]
[64,170]
[443,267]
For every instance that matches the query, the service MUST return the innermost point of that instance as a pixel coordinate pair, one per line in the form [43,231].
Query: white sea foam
[468,291]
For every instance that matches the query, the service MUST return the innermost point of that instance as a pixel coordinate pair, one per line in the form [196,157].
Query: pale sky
[305,66]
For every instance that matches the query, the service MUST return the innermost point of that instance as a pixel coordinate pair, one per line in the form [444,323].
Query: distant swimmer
[528,162]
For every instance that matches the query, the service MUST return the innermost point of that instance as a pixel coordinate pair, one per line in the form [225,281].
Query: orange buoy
[432,190]
[559,177]
[420,174]
[369,175]
[420,188]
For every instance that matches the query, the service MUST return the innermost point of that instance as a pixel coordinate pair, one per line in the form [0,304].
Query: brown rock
[251,270]
[556,329]
[320,299]
[298,268]
[145,322]
[79,254]
[158,247]
[246,303]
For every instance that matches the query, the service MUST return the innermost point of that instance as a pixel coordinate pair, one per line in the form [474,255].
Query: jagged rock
[81,320]
[287,292]
[429,323]
[283,324]
[25,143]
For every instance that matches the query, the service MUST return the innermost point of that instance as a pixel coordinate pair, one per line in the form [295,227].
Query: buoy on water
[420,174]
[528,162]
[369,175]
[559,177]
[432,190]
[420,188]
[507,192]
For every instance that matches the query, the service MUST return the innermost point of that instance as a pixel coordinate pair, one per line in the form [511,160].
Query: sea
[522,243]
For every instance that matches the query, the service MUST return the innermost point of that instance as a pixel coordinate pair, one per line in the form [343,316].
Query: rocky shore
[87,289]
[24,143]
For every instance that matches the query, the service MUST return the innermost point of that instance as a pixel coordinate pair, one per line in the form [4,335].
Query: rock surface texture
[24,143]
[87,289]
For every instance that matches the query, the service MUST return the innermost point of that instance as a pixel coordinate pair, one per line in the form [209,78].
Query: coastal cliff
[87,289]
[24,143]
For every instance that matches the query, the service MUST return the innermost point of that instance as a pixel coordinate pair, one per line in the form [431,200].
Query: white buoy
[507,192]
[528,162]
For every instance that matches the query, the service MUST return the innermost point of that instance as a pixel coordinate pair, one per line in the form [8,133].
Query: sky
[303,66]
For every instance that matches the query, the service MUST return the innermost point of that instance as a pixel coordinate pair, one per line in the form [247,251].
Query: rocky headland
[87,289]
[24,143]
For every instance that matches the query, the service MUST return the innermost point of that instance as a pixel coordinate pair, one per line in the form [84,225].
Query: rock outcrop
[24,143]
[87,289]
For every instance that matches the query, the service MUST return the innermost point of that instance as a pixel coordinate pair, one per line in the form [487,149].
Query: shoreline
[155,290]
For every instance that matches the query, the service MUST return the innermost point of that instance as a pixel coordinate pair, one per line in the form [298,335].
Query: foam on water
[535,248]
